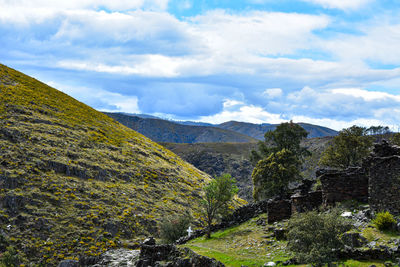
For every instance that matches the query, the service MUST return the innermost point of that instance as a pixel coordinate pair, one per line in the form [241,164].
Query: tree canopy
[218,193]
[348,148]
[278,160]
[272,175]
[287,136]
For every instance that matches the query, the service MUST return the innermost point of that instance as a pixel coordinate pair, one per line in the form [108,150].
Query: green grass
[248,244]
[245,244]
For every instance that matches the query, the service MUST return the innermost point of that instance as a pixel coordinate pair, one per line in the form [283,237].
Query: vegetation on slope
[234,158]
[258,130]
[167,131]
[75,182]
[254,244]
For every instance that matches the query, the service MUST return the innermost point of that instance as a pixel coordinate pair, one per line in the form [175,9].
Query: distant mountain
[258,130]
[233,158]
[167,131]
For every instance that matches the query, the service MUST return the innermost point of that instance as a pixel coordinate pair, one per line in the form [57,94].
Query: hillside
[258,130]
[160,130]
[219,158]
[74,182]
[233,158]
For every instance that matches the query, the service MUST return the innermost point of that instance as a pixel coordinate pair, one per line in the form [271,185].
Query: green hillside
[74,181]
[234,158]
[160,130]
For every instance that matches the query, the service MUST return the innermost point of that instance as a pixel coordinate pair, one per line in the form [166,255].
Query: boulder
[354,240]
[68,263]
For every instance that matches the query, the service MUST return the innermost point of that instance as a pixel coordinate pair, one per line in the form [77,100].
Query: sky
[334,63]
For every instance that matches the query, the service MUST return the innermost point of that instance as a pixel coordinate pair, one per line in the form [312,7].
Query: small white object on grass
[346,214]
[190,231]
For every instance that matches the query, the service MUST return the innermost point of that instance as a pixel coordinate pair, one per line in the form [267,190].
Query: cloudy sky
[329,62]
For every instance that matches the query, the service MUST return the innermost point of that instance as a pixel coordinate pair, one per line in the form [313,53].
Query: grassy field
[252,244]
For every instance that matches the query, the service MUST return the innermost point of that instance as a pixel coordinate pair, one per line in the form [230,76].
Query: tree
[173,228]
[314,238]
[278,160]
[272,175]
[348,148]
[374,130]
[288,136]
[218,194]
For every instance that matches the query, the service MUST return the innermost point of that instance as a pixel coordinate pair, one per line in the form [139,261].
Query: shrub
[314,237]
[172,229]
[10,258]
[384,220]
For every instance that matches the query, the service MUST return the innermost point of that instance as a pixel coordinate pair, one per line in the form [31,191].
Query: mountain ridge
[169,131]
[160,130]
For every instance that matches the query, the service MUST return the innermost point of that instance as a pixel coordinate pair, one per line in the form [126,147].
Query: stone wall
[338,186]
[384,180]
[306,202]
[279,210]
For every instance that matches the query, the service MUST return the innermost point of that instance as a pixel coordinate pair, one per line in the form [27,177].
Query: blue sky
[329,62]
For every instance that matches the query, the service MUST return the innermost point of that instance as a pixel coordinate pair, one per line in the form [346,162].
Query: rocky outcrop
[170,255]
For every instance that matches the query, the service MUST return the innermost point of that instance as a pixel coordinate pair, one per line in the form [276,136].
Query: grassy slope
[74,181]
[251,244]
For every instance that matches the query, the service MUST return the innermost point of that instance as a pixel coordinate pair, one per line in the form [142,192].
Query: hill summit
[75,182]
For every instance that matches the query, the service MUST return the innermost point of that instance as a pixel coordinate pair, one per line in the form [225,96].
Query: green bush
[10,258]
[314,238]
[384,220]
[172,229]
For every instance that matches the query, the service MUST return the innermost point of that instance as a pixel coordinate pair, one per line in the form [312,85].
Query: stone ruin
[376,182]
[384,179]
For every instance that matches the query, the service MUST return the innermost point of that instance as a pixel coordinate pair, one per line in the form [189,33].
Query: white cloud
[256,33]
[377,42]
[366,95]
[242,112]
[272,93]
[101,99]
[145,65]
[340,4]
[86,4]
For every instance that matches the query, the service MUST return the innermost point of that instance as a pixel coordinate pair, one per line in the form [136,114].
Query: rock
[68,263]
[346,214]
[149,241]
[289,262]
[269,264]
[388,264]
[354,240]
[119,257]
[111,227]
[170,255]
[280,234]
